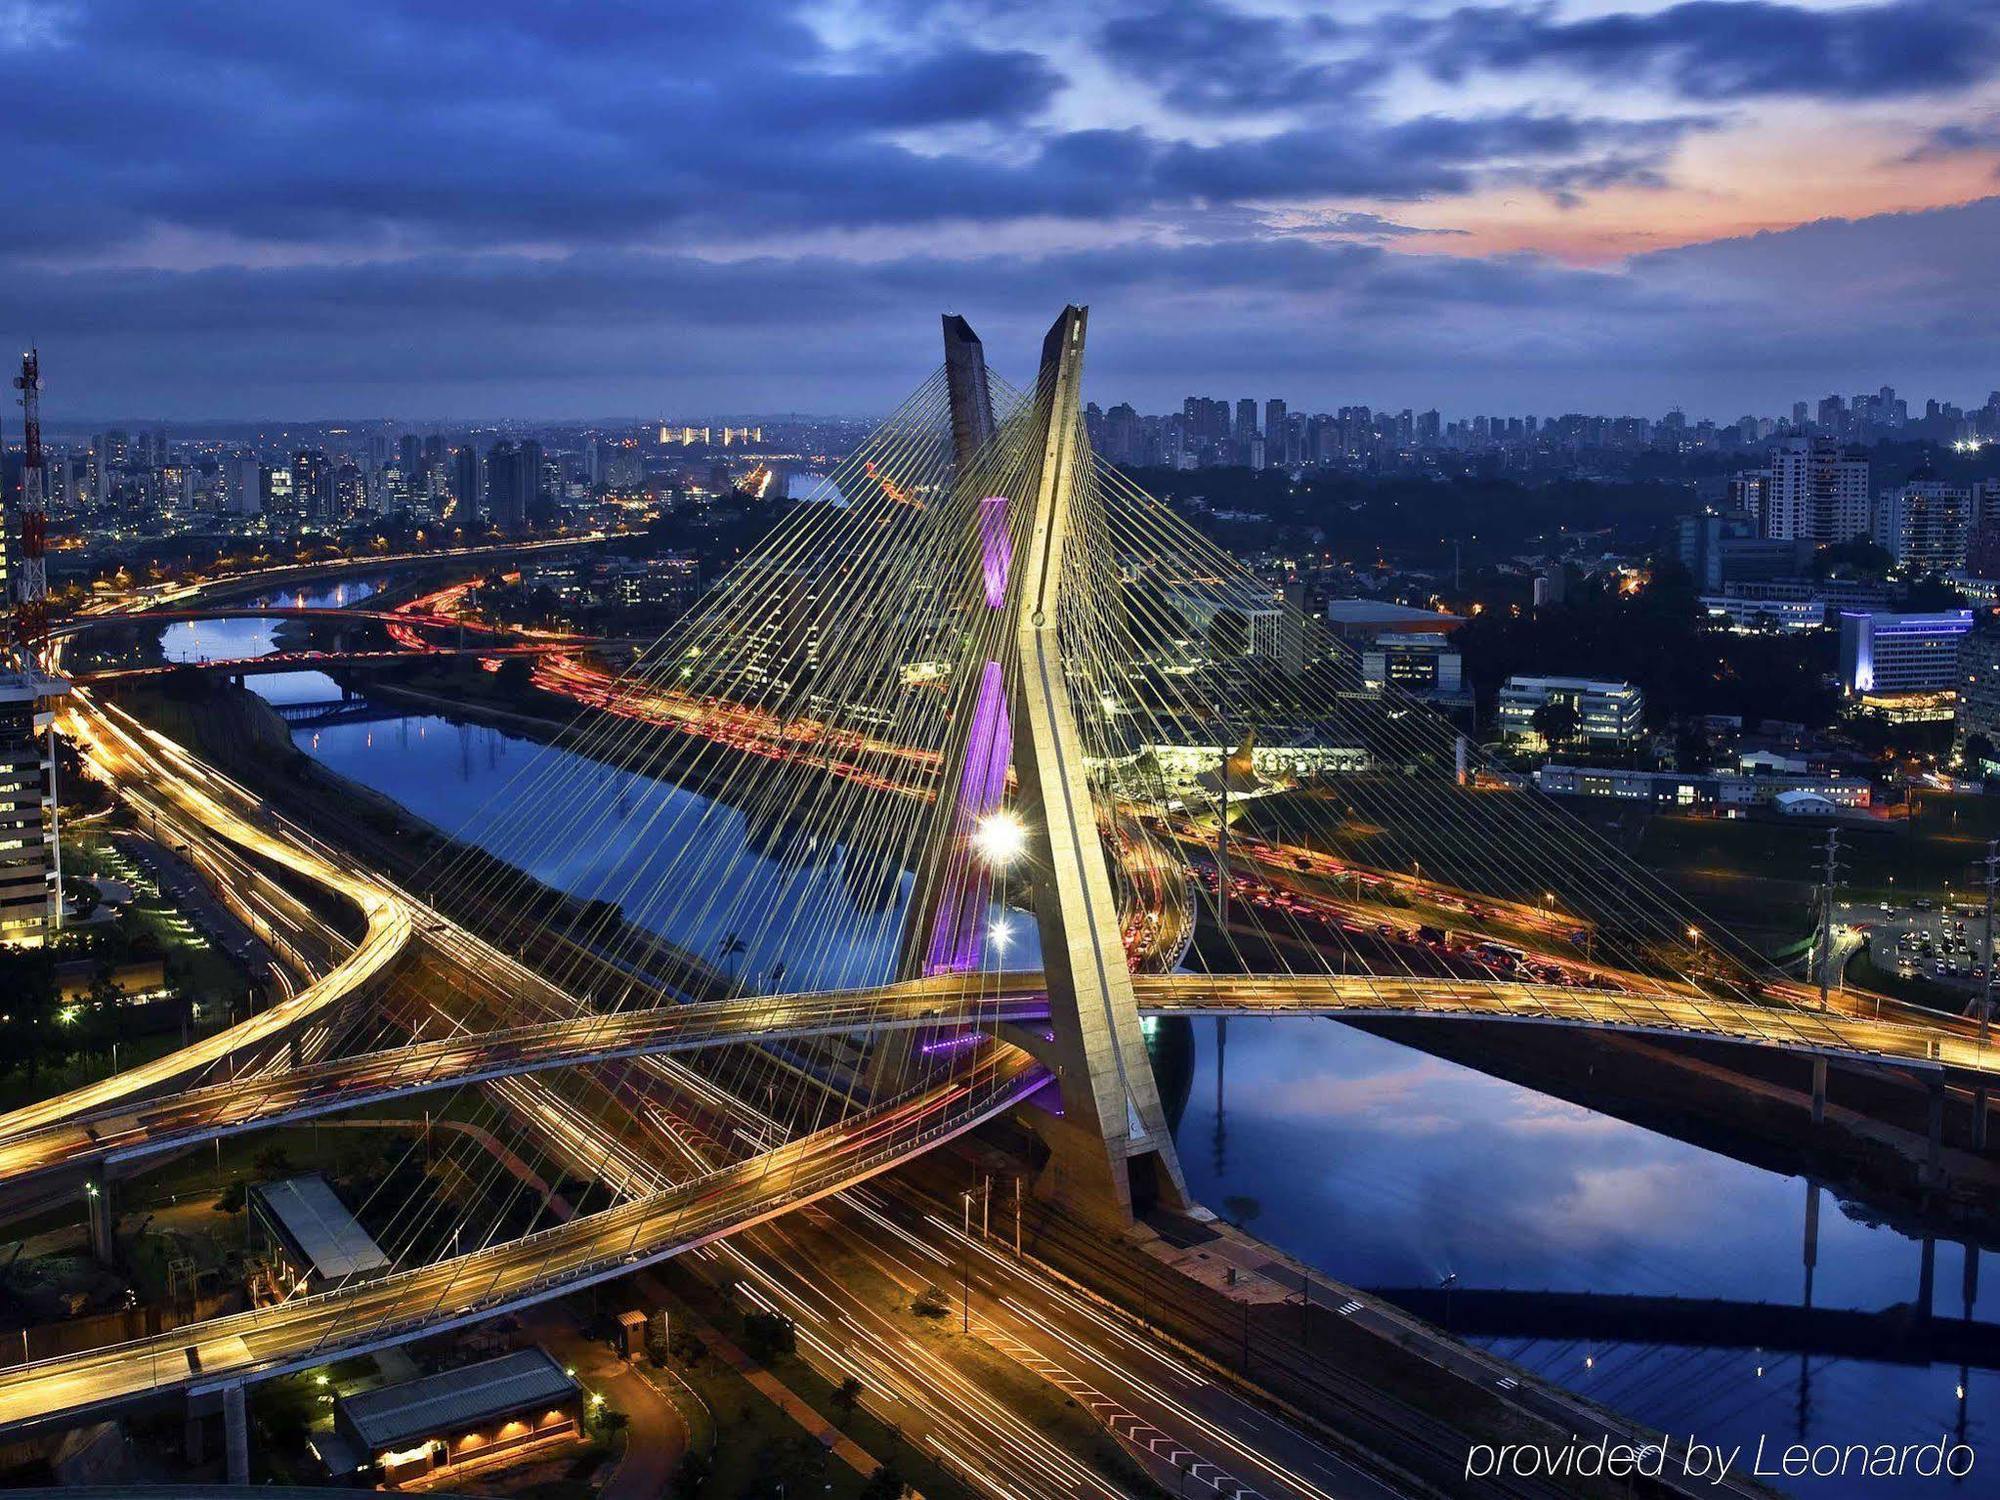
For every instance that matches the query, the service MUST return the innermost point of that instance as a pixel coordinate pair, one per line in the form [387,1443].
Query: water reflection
[227,638]
[696,871]
[1394,1169]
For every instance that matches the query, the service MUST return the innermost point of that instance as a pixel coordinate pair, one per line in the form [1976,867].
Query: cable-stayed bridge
[907,776]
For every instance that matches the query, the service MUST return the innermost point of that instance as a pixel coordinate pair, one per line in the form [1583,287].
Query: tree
[886,1483]
[846,1397]
[730,947]
[1555,722]
[1978,749]
[691,1476]
[232,1199]
[769,1334]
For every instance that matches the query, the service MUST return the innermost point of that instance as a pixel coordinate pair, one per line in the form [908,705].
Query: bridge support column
[1981,1105]
[103,1219]
[1113,1152]
[1819,1091]
[1927,1279]
[236,1432]
[194,1445]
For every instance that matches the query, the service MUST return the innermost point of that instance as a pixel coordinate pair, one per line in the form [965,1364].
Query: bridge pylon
[1112,1153]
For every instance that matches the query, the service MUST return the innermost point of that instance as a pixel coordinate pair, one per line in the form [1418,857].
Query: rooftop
[1380,614]
[321,1227]
[393,1416]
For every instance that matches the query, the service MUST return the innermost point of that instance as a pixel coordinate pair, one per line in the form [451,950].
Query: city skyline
[617,211]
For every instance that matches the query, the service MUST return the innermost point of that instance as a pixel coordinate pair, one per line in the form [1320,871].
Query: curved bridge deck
[471,1288]
[31,1143]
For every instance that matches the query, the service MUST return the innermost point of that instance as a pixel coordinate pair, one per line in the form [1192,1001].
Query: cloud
[1207,58]
[1957,139]
[1723,50]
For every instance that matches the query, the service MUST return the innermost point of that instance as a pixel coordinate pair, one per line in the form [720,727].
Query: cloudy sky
[590,207]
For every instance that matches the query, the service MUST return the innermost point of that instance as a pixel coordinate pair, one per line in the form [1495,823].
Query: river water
[1380,1164]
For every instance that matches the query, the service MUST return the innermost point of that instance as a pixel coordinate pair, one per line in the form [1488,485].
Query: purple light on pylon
[960,926]
[961,916]
[996,548]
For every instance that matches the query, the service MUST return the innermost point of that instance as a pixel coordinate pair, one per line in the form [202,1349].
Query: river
[1378,1163]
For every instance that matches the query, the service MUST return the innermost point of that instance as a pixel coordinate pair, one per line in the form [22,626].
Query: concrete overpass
[33,1142]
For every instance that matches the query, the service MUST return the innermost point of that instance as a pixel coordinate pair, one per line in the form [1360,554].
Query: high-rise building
[29,878]
[410,463]
[278,500]
[533,483]
[465,484]
[1819,492]
[1925,523]
[312,485]
[505,491]
[1275,452]
[243,485]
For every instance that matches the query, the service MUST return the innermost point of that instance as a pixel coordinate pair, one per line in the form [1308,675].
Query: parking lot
[1944,944]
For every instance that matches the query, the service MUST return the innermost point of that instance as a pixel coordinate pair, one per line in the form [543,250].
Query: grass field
[1775,864]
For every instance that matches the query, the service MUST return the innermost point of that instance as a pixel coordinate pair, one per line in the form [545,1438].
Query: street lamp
[1000,838]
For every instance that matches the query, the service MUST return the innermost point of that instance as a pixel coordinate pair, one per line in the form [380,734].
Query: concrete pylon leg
[1819,1091]
[194,1447]
[1981,1106]
[1112,1146]
[236,1432]
[103,1221]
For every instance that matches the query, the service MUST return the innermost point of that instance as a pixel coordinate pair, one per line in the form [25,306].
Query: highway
[131,755]
[31,1142]
[432,1299]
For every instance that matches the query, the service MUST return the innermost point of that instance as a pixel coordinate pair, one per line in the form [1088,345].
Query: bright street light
[1000,838]
[1000,934]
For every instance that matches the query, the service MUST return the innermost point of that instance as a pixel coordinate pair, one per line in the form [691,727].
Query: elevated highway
[31,1143]
[202,1358]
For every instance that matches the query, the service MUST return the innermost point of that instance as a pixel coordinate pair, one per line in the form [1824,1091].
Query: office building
[1422,665]
[243,481]
[278,500]
[534,484]
[1884,654]
[1611,714]
[1978,705]
[313,486]
[1728,793]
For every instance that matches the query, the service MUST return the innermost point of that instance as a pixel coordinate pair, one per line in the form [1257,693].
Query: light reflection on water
[674,861]
[1389,1168]
[227,638]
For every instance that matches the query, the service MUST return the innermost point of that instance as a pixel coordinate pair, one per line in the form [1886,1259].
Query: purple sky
[526,207]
